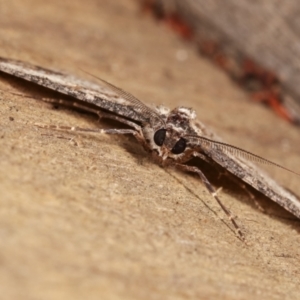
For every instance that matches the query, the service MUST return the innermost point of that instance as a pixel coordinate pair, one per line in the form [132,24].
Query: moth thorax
[180,118]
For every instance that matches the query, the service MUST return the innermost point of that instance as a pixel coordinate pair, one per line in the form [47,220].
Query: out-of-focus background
[92,216]
[256,43]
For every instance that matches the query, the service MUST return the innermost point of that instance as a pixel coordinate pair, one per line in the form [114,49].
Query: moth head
[169,141]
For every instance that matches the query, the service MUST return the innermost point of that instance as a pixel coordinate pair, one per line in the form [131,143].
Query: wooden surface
[92,216]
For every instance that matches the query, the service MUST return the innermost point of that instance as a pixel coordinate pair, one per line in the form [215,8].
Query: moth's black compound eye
[179,146]
[159,137]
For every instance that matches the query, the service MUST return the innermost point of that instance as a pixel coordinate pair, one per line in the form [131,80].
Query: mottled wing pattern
[111,99]
[249,173]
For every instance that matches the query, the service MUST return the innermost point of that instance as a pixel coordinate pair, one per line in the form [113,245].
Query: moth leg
[70,139]
[213,192]
[252,197]
[202,156]
[98,112]
[233,178]
[133,132]
[245,187]
[92,130]
[136,132]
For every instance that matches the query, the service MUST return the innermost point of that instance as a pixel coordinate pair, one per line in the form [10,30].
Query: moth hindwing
[173,137]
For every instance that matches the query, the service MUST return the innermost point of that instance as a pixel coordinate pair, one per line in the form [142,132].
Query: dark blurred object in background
[257,43]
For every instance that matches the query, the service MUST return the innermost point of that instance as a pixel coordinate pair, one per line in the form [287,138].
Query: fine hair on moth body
[172,137]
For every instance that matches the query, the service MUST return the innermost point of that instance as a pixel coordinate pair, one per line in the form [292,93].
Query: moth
[172,137]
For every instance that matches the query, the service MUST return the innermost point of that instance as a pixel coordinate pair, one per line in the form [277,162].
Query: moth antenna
[238,152]
[136,102]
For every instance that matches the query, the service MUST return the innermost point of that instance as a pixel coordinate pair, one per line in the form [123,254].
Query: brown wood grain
[92,216]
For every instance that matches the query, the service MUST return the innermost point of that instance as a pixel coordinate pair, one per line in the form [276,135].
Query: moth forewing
[114,100]
[247,171]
